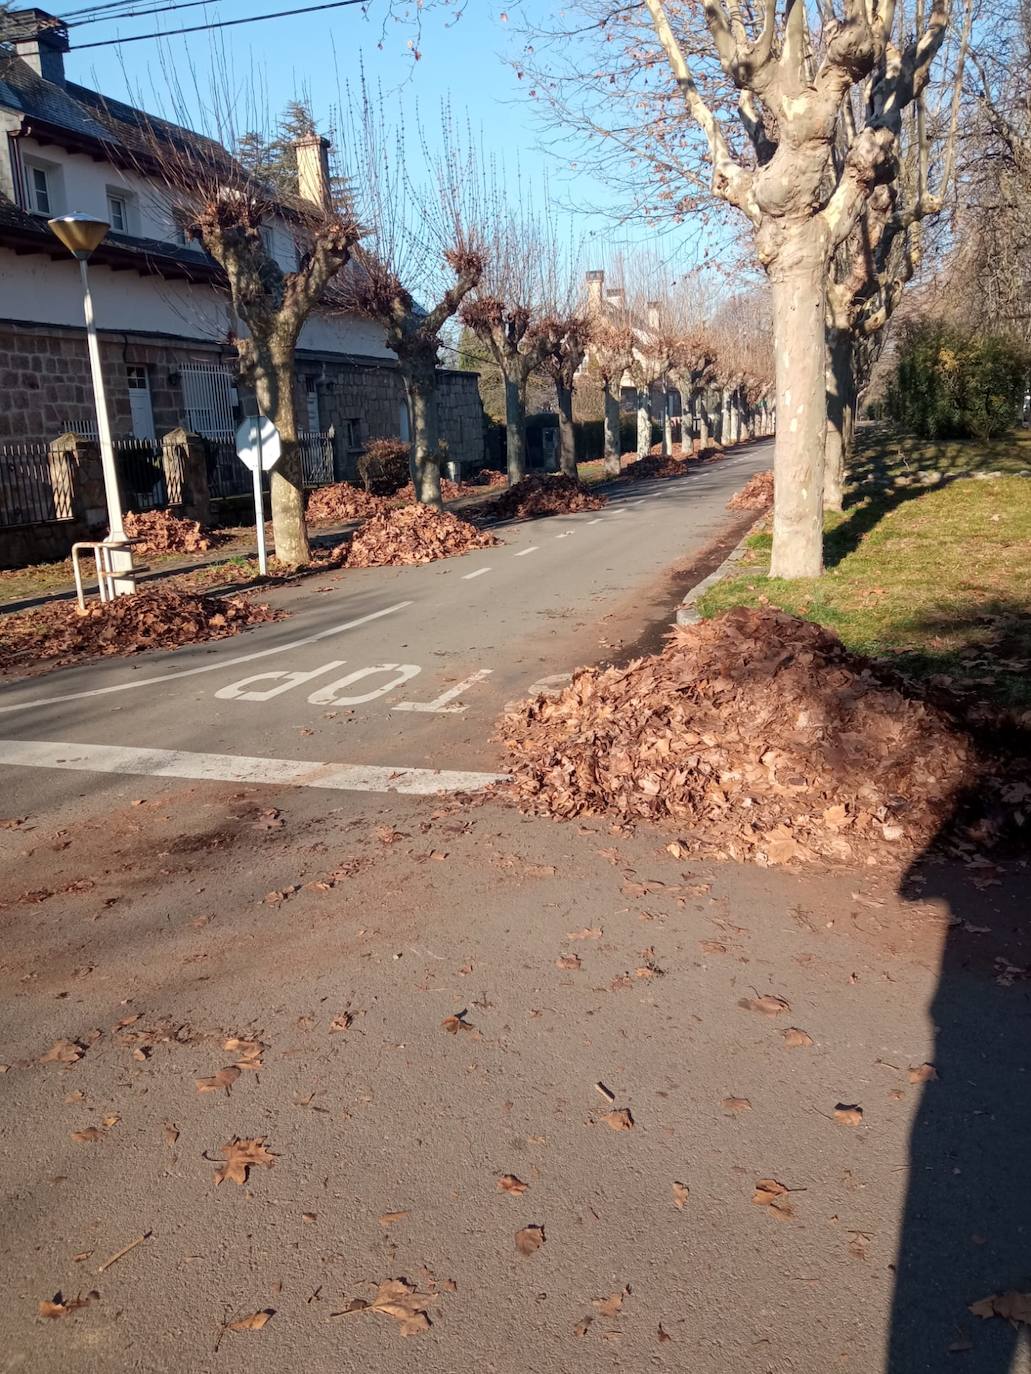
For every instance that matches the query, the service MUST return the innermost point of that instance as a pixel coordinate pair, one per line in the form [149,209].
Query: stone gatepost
[184,457]
[75,467]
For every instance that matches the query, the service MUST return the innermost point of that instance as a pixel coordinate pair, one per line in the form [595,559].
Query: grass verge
[937,579]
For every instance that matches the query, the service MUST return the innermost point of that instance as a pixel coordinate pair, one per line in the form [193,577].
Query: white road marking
[468,577]
[439,704]
[243,691]
[523,552]
[565,534]
[330,695]
[208,667]
[596,521]
[176,763]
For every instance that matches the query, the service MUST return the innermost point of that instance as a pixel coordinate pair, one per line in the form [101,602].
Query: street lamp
[81,235]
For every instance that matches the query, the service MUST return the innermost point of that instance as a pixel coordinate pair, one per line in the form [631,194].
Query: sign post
[259,448]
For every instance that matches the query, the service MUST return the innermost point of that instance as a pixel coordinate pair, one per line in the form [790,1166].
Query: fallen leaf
[250,1051]
[923,1073]
[239,1156]
[530,1239]
[540,870]
[388,1218]
[269,820]
[569,962]
[457,1022]
[619,1119]
[170,1133]
[110,1121]
[774,1197]
[848,1114]
[127,1021]
[59,1306]
[796,1039]
[736,1104]
[1011,1306]
[508,1183]
[583,1326]
[223,1080]
[663,1334]
[587,933]
[340,1022]
[254,1322]
[676,849]
[681,1192]
[712,947]
[767,1004]
[398,1299]
[89,1136]
[64,1052]
[612,1305]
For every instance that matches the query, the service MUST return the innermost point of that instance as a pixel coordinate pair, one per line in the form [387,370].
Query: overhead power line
[124,9]
[221,24]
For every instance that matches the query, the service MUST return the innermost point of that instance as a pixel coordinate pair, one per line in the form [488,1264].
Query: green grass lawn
[936,577]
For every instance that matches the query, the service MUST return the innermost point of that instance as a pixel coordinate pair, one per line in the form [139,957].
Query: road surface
[227,842]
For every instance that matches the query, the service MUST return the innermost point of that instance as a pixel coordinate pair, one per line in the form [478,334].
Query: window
[353,435]
[40,198]
[118,215]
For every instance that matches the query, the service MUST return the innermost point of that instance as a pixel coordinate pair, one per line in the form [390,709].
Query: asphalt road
[181,864]
[377,669]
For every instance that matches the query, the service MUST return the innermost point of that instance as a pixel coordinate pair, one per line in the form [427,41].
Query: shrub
[949,383]
[383,466]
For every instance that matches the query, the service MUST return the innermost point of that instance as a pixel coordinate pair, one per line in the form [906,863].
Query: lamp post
[81,235]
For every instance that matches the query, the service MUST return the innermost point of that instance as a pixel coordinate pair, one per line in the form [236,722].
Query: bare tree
[419,258]
[567,340]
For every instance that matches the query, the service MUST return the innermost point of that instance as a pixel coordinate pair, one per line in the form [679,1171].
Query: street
[251,892]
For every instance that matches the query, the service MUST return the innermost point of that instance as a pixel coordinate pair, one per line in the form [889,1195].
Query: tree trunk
[566,431]
[644,422]
[703,421]
[841,388]
[667,423]
[273,378]
[613,445]
[421,384]
[515,430]
[798,282]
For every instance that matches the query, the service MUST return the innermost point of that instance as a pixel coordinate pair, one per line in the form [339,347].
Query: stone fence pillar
[184,457]
[75,469]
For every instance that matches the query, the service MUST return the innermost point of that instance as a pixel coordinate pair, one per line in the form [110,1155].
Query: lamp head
[79,233]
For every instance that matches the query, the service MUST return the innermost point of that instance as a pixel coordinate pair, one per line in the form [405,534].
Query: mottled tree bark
[421,386]
[566,430]
[613,446]
[841,401]
[644,422]
[515,430]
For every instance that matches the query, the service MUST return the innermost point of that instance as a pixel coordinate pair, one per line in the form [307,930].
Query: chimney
[39,39]
[615,296]
[595,286]
[313,169]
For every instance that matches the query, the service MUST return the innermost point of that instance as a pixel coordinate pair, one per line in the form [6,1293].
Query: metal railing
[316,457]
[35,485]
[141,473]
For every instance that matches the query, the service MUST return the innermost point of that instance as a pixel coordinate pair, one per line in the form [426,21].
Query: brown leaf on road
[341,1022]
[269,820]
[219,1082]
[712,947]
[612,1305]
[620,1119]
[774,1197]
[64,1052]
[1011,1306]
[127,1021]
[923,1073]
[110,1121]
[509,1183]
[250,1051]
[663,1334]
[530,1239]
[796,1039]
[767,1004]
[241,1155]
[681,1192]
[254,1322]
[457,1022]
[398,1299]
[388,1218]
[59,1306]
[736,1104]
[171,1134]
[89,1136]
[849,1114]
[583,1326]
[587,933]
[569,963]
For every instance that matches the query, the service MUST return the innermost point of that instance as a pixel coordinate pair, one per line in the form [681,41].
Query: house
[163,311]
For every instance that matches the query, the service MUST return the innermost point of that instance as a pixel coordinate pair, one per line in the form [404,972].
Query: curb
[686,613]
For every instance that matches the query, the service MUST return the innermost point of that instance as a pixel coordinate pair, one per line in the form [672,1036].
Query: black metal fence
[141,474]
[35,485]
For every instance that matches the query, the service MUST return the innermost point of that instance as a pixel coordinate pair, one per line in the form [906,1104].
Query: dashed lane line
[237,768]
[207,667]
[467,577]
[523,552]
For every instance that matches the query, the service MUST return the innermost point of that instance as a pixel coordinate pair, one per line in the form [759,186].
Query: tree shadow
[966,1225]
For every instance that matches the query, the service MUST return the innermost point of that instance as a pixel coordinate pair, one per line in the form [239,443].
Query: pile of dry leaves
[158,531]
[449,490]
[155,618]
[655,465]
[340,502]
[758,735]
[536,495]
[413,534]
[756,494]
[489,477]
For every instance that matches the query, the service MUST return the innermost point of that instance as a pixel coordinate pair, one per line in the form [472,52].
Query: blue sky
[462,60]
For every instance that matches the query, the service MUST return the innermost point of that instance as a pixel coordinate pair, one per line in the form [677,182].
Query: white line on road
[523,552]
[565,534]
[208,667]
[596,521]
[467,577]
[177,763]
